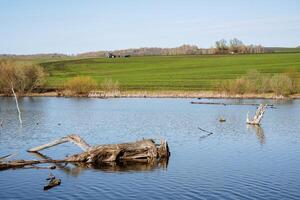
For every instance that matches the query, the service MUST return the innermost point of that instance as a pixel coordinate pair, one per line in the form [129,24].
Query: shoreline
[162,94]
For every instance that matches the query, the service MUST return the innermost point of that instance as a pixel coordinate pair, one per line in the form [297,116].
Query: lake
[236,162]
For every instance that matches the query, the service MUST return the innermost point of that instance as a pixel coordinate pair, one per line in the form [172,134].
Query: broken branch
[70,138]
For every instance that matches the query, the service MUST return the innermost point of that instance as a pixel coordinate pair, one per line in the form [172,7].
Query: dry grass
[281,84]
[108,85]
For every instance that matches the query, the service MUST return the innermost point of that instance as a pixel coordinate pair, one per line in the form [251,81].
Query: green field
[170,72]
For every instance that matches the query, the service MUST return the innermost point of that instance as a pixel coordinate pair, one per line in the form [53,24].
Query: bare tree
[235,45]
[221,46]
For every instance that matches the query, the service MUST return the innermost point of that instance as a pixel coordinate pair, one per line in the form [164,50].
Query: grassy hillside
[170,72]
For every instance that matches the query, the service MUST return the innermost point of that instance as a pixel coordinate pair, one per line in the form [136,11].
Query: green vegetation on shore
[170,72]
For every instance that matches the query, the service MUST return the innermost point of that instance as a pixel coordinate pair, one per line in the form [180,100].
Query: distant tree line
[233,46]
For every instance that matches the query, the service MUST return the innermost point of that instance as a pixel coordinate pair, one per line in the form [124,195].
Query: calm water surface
[236,162]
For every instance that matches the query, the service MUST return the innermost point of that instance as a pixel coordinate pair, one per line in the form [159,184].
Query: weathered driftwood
[22,163]
[258,115]
[144,151]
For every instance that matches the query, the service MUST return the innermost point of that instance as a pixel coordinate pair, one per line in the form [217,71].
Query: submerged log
[143,151]
[230,104]
[52,182]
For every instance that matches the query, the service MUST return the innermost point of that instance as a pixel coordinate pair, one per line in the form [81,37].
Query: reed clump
[109,85]
[281,84]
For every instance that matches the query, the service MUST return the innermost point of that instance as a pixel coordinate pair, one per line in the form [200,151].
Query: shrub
[24,78]
[281,84]
[255,82]
[81,85]
[109,85]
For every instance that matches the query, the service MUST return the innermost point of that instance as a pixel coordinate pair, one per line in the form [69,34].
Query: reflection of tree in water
[259,133]
[75,169]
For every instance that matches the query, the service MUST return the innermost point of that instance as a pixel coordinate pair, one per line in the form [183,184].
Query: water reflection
[128,166]
[259,131]
[75,169]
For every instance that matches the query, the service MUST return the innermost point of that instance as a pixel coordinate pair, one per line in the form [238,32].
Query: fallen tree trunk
[144,151]
[230,104]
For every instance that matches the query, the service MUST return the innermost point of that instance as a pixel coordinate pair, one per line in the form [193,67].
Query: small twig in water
[205,130]
[204,136]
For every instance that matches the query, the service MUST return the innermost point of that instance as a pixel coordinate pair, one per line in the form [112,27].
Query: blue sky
[74,26]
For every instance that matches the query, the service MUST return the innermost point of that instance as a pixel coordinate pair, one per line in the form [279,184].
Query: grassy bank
[170,72]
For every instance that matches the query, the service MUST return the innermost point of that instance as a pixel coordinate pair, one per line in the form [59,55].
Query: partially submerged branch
[258,115]
[208,133]
[7,156]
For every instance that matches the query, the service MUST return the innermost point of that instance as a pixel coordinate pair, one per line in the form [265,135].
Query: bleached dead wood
[17,104]
[258,115]
[144,151]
